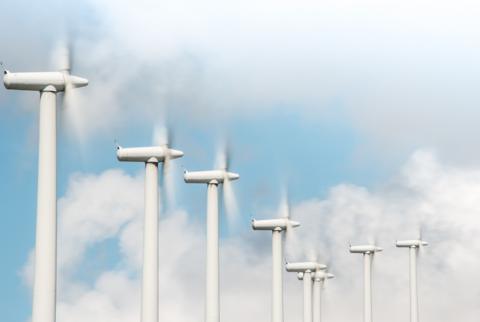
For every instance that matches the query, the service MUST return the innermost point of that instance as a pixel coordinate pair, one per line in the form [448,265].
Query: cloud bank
[403,73]
[426,193]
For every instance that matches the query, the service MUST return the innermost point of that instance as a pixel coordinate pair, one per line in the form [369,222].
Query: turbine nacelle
[147,154]
[38,81]
[411,243]
[365,249]
[209,176]
[274,224]
[302,267]
[320,275]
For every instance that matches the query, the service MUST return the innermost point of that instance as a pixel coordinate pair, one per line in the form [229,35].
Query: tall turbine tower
[318,283]
[414,246]
[212,178]
[151,156]
[277,226]
[306,271]
[48,84]
[368,252]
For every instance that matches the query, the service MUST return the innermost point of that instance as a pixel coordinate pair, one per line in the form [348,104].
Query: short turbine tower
[306,271]
[414,246]
[368,252]
[277,226]
[318,283]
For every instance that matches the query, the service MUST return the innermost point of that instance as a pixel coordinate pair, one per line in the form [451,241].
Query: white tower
[318,283]
[151,156]
[212,179]
[368,252]
[277,226]
[414,246]
[48,84]
[306,271]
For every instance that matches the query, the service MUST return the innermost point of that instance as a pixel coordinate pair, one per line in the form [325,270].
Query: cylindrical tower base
[44,288]
[212,305]
[150,246]
[277,276]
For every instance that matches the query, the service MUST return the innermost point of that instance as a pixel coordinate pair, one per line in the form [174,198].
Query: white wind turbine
[277,226]
[318,283]
[306,271]
[212,178]
[48,84]
[151,156]
[414,246]
[368,252]
[319,278]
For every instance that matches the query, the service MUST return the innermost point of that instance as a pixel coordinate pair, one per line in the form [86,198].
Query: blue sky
[265,153]
[310,98]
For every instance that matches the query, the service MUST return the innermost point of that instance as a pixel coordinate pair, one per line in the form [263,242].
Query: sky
[366,111]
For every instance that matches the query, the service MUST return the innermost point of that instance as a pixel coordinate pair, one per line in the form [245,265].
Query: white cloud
[426,193]
[439,199]
[88,219]
[402,73]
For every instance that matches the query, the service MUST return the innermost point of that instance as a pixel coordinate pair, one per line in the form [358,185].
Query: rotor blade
[69,98]
[222,160]
[312,255]
[292,242]
[421,247]
[231,206]
[61,58]
[293,245]
[160,136]
[284,209]
[167,181]
[418,230]
[71,114]
[372,240]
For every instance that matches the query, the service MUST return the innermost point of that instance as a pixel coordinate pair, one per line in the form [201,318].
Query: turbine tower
[212,178]
[48,84]
[318,283]
[306,271]
[414,246]
[151,156]
[368,252]
[277,226]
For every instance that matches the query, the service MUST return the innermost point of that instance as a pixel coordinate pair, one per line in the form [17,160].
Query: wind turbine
[318,283]
[414,246]
[48,84]
[212,178]
[151,156]
[306,271]
[368,252]
[277,226]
